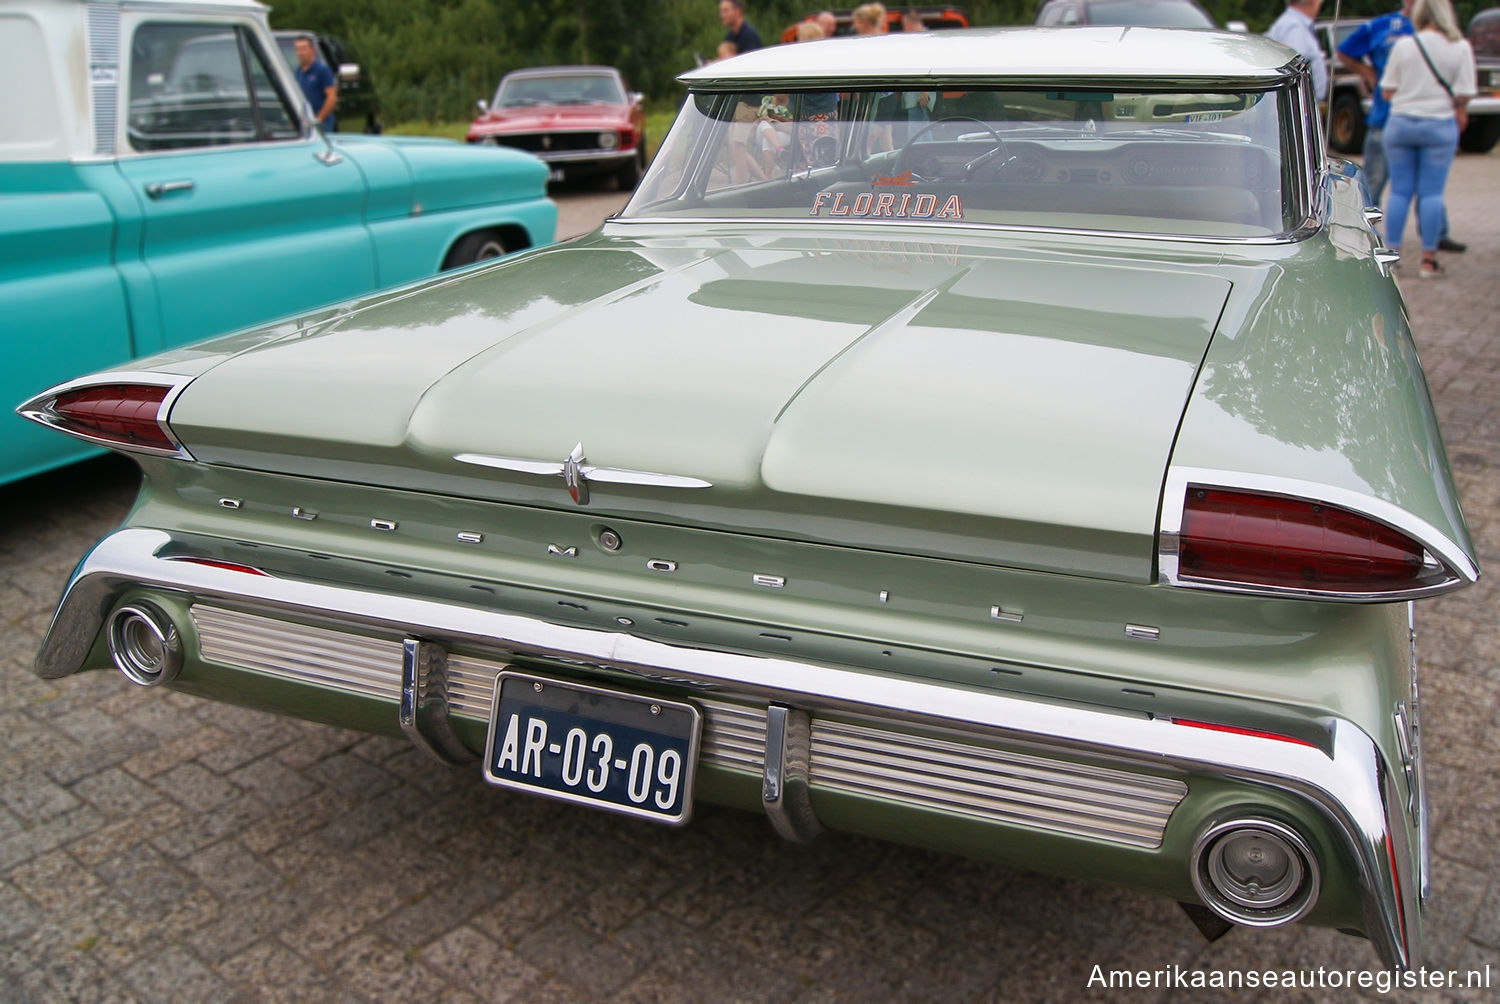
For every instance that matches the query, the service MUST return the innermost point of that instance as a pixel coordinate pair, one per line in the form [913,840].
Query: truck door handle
[158,189]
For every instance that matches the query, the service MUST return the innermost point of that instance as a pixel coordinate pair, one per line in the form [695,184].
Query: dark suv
[358,106]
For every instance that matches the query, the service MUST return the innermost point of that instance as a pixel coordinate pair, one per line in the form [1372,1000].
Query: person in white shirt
[1294,28]
[1428,80]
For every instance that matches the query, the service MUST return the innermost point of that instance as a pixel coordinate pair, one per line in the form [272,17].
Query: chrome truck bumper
[1344,779]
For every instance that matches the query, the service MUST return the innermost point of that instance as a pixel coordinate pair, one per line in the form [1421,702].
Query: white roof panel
[1155,54]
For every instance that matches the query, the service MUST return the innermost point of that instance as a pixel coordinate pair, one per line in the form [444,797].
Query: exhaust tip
[1255,872]
[143,644]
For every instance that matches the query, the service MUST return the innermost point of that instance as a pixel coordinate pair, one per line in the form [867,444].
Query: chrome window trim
[1458,567]
[39,409]
[990,76]
[144,14]
[1345,778]
[1301,233]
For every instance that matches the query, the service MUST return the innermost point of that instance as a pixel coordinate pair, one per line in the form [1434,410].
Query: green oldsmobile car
[987,441]
[161,181]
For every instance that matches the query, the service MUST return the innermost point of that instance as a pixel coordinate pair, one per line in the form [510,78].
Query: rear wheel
[1481,136]
[478,246]
[1347,132]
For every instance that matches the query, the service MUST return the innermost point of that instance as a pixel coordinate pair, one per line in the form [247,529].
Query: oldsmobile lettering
[888,205]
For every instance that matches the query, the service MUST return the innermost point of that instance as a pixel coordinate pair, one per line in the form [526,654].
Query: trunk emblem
[577,474]
[574,477]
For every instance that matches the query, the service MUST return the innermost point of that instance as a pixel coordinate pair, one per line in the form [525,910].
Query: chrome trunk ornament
[577,474]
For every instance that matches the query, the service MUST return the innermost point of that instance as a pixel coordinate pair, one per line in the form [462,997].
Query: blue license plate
[598,747]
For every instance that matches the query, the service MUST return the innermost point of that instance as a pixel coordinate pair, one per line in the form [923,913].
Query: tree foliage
[430,59]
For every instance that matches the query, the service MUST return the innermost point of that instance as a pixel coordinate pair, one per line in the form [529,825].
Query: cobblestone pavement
[157,847]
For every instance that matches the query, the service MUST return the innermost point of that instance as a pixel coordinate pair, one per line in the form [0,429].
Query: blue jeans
[1419,153]
[1377,173]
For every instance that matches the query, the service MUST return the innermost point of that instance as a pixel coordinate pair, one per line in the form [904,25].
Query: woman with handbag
[1428,81]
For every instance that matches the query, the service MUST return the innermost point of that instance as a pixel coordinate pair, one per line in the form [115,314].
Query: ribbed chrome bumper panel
[993,784]
[934,774]
[367,666]
[734,735]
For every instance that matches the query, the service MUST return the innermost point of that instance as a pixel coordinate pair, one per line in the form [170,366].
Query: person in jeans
[1428,80]
[1365,53]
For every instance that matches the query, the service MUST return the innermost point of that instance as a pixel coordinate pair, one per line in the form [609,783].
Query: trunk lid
[996,407]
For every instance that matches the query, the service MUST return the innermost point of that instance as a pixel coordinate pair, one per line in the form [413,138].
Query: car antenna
[1333,59]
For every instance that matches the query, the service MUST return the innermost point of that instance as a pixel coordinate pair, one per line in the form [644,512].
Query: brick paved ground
[156,847]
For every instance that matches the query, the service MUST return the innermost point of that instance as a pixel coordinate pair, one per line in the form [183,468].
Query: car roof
[1012,54]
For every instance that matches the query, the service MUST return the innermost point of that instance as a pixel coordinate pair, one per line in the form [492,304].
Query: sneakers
[1449,244]
[1430,269]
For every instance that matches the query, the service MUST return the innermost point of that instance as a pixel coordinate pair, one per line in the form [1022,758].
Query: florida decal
[888,205]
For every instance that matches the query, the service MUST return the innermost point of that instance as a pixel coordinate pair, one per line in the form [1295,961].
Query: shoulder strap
[1428,60]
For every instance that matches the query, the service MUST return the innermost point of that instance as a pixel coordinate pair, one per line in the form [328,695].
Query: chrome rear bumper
[1345,778]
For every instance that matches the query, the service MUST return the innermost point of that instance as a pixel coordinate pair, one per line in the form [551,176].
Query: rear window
[1153,13]
[1153,162]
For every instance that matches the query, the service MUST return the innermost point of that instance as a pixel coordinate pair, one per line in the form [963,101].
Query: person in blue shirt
[1365,52]
[317,83]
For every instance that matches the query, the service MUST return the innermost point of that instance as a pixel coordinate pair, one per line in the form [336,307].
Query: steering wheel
[934,171]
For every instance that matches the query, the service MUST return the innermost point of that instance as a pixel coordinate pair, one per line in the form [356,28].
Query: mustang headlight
[608,140]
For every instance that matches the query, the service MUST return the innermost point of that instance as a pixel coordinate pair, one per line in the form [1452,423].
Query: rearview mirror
[483,106]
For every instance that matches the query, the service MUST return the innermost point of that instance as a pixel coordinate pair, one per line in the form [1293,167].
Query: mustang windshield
[1195,164]
[559,89]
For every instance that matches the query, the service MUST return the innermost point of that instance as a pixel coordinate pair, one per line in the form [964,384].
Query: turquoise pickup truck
[163,182]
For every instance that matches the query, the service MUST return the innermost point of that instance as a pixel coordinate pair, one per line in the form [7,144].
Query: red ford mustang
[582,120]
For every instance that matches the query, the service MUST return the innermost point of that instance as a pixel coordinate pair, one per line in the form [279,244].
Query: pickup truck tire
[481,245]
[1346,133]
[1482,134]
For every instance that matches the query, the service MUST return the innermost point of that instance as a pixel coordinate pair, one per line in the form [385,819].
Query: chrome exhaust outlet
[144,644]
[1255,872]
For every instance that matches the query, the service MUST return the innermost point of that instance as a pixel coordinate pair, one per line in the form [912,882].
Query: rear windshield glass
[1193,163]
[1148,12]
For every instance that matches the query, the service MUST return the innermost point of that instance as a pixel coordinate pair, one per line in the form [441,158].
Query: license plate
[555,174]
[613,751]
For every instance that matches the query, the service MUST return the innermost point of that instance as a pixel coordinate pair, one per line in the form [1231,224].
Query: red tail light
[127,416]
[228,566]
[1269,541]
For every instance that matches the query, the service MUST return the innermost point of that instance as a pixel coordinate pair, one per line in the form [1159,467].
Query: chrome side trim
[424,702]
[1346,778]
[40,408]
[1459,566]
[784,785]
